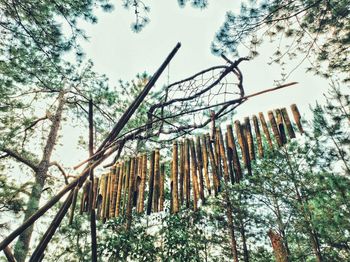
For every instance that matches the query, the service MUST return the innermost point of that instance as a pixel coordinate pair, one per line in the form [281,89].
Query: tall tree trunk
[22,245]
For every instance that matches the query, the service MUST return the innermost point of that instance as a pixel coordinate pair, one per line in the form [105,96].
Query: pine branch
[60,168]
[20,158]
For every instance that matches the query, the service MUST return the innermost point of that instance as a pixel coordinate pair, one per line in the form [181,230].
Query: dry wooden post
[278,246]
[84,198]
[229,159]
[258,136]
[205,164]
[274,128]
[265,129]
[182,172]
[150,183]
[114,191]
[107,197]
[161,192]
[187,179]
[214,168]
[249,138]
[223,154]
[74,202]
[126,185]
[156,188]
[143,184]
[297,117]
[200,168]
[95,193]
[194,175]
[212,133]
[243,145]
[137,182]
[119,191]
[231,145]
[130,193]
[286,120]
[280,125]
[111,207]
[174,178]
[217,159]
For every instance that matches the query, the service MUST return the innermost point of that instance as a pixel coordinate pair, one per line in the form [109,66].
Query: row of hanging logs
[197,165]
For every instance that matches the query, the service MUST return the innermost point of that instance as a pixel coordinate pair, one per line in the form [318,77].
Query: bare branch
[60,168]
[21,158]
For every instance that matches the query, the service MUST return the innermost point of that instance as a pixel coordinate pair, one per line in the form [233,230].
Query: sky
[120,53]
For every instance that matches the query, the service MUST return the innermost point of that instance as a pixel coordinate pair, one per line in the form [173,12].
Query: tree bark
[22,245]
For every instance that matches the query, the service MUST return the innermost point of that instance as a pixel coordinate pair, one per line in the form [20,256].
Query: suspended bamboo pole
[286,120]
[200,168]
[130,193]
[74,202]
[280,126]
[194,175]
[84,197]
[217,158]
[138,182]
[126,185]
[249,138]
[182,172]
[143,184]
[187,183]
[240,133]
[232,146]
[114,191]
[212,164]
[258,136]
[174,178]
[223,154]
[278,246]
[297,117]
[205,164]
[274,128]
[265,129]
[119,191]
[111,192]
[162,193]
[229,160]
[107,196]
[150,183]
[156,186]
[95,193]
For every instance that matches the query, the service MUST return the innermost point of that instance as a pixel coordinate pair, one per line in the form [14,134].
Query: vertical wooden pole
[174,178]
[161,193]
[249,138]
[258,136]
[137,181]
[143,184]
[229,159]
[156,187]
[103,188]
[289,126]
[95,193]
[119,191]
[111,192]
[194,175]
[126,185]
[182,172]
[213,165]
[200,168]
[114,191]
[107,196]
[280,126]
[265,129]
[275,128]
[74,202]
[187,173]
[297,117]
[130,193]
[205,164]
[223,155]
[150,184]
[243,145]
[232,146]
[217,159]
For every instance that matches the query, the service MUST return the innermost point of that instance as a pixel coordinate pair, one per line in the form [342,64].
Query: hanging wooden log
[130,193]
[223,157]
[156,187]
[150,183]
[229,160]
[258,136]
[200,168]
[214,168]
[231,145]
[286,120]
[205,164]
[112,185]
[217,158]
[249,138]
[265,129]
[181,172]
[162,192]
[137,181]
[85,197]
[278,247]
[187,187]
[106,201]
[280,125]
[120,188]
[114,191]
[174,178]
[194,175]
[274,128]
[213,127]
[240,133]
[95,193]
[126,185]
[297,117]
[102,193]
[143,184]
[74,202]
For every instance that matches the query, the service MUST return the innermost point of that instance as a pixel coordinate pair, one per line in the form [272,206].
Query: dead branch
[20,158]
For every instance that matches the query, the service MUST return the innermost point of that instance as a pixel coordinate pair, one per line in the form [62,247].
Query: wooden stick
[212,164]
[143,184]
[187,173]
[174,178]
[156,181]
[138,182]
[205,164]
[286,120]
[182,172]
[119,191]
[161,193]
[130,193]
[274,128]
[223,157]
[10,257]
[229,159]
[217,159]
[114,191]
[107,196]
[194,175]
[200,168]
[265,129]
[151,183]
[249,138]
[75,195]
[126,185]
[240,133]
[258,136]
[280,126]
[235,159]
[297,117]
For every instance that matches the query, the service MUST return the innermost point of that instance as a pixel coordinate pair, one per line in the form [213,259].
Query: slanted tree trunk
[22,245]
